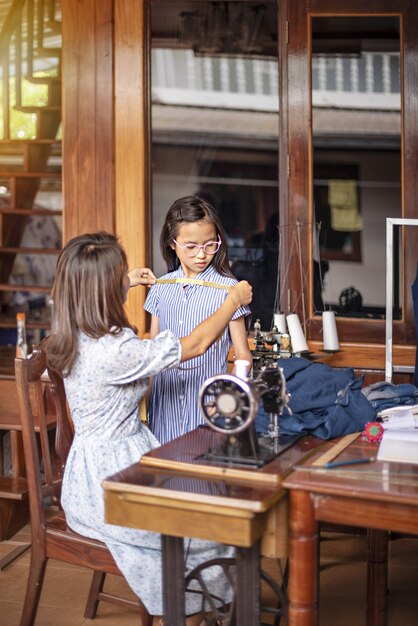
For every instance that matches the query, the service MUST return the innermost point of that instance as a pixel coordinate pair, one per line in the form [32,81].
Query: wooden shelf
[23,250]
[20,174]
[23,142]
[48,52]
[43,79]
[34,288]
[12,211]
[30,108]
[30,325]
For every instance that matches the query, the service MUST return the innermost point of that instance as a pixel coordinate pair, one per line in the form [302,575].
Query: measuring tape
[191,281]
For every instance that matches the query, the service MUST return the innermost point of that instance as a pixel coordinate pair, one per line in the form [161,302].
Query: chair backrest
[32,376]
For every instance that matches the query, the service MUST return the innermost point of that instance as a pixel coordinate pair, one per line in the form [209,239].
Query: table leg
[248,585]
[303,561]
[377,576]
[173,580]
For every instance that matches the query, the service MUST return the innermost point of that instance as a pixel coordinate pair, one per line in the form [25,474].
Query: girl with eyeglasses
[193,245]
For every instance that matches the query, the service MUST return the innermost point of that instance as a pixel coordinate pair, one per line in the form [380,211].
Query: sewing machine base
[268,449]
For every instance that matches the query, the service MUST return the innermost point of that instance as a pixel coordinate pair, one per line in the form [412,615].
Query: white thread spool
[241,368]
[329,329]
[279,320]
[297,337]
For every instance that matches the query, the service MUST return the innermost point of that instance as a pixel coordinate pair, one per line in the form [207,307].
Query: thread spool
[297,337]
[330,334]
[279,321]
[241,368]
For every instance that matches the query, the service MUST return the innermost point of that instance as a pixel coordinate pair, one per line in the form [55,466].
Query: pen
[350,462]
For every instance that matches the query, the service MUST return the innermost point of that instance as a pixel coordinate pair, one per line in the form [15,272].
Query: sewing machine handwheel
[228,403]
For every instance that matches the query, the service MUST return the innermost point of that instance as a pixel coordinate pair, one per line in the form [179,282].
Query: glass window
[215,126]
[356,126]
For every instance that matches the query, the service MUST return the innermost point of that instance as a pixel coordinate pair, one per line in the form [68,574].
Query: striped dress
[174,408]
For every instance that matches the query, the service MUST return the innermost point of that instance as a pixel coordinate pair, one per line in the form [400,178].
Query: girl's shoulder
[216,277]
[105,349]
[173,274]
[159,293]
[114,339]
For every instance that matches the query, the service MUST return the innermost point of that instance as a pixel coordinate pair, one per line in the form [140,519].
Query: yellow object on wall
[343,200]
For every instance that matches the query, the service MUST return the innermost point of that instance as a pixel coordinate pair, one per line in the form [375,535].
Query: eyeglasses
[193,249]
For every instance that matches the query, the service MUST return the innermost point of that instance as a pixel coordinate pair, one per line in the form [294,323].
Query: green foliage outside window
[22,124]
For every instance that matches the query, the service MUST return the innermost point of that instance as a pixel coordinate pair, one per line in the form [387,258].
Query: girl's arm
[210,329]
[153,332]
[238,334]
[155,327]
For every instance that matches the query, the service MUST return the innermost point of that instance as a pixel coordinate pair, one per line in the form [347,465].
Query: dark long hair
[87,295]
[192,209]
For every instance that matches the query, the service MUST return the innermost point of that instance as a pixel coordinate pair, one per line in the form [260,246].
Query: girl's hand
[241,293]
[141,276]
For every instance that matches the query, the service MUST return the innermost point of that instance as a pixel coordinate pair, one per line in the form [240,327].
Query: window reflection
[356,159]
[215,125]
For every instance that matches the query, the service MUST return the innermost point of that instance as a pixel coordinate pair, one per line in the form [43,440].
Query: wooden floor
[342,581]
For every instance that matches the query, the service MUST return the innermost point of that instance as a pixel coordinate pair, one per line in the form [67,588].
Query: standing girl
[193,245]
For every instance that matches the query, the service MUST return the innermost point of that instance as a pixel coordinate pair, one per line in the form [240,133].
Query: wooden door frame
[132,142]
[105,127]
[362,341]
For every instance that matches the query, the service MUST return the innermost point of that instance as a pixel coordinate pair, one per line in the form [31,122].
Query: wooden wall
[88,112]
[131,141]
[104,126]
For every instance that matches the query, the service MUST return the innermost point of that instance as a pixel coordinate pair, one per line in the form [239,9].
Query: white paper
[398,409]
[399,445]
[400,420]
[401,435]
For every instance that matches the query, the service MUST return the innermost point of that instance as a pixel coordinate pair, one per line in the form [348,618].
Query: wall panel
[131,141]
[105,128]
[88,146]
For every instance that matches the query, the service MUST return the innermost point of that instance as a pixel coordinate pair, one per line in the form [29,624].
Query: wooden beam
[88,146]
[131,141]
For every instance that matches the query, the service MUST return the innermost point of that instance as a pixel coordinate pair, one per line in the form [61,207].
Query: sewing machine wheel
[228,403]
[220,614]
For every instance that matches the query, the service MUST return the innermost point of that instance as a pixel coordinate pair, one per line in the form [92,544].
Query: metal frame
[389,368]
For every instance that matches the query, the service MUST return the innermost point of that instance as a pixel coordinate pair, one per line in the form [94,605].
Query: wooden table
[172,493]
[381,496]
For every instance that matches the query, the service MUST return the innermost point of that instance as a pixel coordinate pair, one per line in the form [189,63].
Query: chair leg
[33,589]
[96,587]
[146,618]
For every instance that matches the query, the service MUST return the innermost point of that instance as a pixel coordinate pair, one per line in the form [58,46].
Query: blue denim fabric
[383,395]
[325,402]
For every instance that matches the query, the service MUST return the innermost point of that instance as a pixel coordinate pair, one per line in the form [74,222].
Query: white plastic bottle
[21,342]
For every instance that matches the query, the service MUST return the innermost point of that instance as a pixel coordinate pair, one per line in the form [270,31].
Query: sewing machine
[269,347]
[230,405]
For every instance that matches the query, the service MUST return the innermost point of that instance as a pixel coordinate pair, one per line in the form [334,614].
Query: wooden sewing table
[171,493]
[380,495]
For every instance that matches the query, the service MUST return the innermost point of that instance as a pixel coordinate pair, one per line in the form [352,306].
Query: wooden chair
[51,537]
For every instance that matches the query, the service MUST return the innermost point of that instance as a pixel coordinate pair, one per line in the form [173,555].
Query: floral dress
[109,377]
